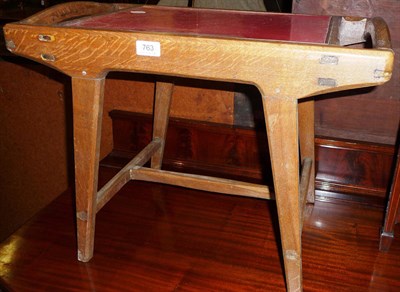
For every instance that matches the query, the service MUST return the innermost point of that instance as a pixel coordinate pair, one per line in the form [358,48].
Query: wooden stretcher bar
[125,174]
[307,166]
[134,171]
[202,182]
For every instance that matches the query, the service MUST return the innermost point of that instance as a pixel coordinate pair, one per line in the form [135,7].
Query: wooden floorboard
[153,237]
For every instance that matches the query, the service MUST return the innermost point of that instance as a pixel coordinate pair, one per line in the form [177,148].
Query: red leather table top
[208,22]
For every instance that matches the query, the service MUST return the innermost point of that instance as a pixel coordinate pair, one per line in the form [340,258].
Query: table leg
[87,113]
[281,121]
[162,103]
[307,143]
[393,210]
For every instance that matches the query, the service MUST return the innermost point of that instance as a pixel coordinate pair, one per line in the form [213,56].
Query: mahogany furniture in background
[289,58]
[393,209]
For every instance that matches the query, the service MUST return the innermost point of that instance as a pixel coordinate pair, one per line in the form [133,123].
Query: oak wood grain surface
[161,238]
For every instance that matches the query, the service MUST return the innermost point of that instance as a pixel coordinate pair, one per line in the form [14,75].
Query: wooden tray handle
[350,30]
[377,29]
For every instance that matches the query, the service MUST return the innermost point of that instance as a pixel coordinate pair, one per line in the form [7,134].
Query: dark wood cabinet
[393,209]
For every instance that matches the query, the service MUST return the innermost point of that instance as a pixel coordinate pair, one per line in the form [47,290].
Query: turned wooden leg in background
[393,209]
[281,121]
[87,112]
[307,143]
[162,103]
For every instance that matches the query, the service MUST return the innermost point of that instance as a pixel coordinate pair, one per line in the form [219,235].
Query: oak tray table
[289,58]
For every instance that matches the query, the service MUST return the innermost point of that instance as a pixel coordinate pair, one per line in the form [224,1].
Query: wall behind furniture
[192,99]
[33,151]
